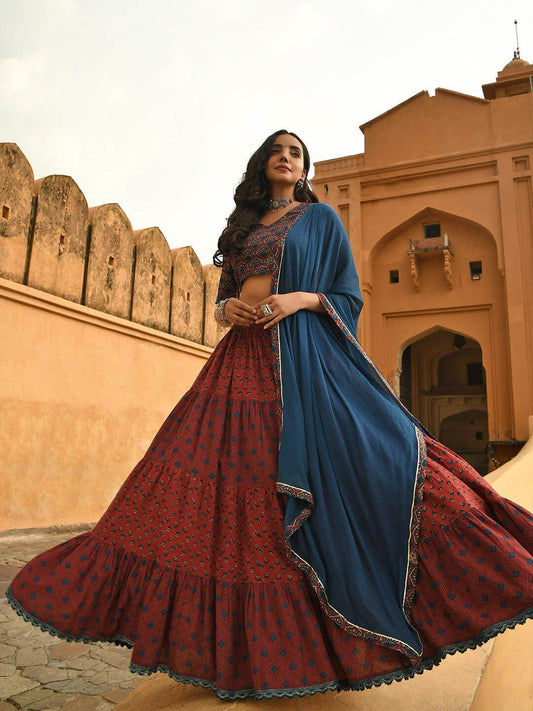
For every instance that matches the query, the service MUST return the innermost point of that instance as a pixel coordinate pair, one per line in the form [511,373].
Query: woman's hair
[252,197]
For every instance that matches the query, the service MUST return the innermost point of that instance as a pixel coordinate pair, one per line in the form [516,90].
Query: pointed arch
[441,377]
[429,212]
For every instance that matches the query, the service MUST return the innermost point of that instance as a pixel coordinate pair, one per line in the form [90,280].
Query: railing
[419,248]
[429,244]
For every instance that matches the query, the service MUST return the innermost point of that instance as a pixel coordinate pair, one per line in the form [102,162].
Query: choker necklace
[276,204]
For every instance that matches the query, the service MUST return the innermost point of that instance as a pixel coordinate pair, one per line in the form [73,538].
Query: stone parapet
[51,240]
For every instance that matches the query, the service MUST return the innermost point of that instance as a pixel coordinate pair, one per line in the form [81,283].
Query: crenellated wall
[103,329]
[51,240]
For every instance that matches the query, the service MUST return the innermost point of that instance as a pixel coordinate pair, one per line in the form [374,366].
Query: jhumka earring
[300,184]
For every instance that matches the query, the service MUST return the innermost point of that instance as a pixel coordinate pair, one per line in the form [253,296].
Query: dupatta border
[352,338]
[418,488]
[283,226]
[412,566]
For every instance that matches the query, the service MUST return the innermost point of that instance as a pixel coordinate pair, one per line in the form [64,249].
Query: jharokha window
[432,230]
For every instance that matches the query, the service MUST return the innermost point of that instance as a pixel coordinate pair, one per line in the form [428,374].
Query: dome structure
[515,78]
[515,65]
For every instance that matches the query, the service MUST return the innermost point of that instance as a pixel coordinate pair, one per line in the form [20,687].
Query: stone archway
[443,383]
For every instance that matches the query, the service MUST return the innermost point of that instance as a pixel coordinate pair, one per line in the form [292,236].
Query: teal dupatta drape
[351,456]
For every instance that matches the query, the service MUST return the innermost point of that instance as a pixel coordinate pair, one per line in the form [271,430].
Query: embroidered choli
[261,254]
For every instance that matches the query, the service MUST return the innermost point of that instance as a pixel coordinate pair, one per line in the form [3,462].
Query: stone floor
[43,673]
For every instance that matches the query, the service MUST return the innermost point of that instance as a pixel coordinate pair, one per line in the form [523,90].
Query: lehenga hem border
[335,685]
[45,627]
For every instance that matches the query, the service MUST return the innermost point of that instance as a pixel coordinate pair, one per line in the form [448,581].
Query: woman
[292,528]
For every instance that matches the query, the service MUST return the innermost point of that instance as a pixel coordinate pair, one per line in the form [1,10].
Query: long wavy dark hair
[252,197]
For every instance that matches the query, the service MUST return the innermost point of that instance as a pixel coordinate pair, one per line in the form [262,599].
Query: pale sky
[158,104]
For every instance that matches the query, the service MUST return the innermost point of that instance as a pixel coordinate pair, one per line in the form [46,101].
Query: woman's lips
[282,167]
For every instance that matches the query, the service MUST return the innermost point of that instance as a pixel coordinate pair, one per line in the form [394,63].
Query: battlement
[50,239]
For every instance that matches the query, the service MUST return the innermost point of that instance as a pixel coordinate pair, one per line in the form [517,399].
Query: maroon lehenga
[188,565]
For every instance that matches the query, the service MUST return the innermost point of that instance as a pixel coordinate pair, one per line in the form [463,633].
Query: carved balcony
[430,247]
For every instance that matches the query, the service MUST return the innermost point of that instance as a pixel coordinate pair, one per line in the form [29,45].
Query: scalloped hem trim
[344,685]
[118,640]
[335,685]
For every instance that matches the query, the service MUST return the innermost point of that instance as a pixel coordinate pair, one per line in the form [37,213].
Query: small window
[474,373]
[521,163]
[394,276]
[475,270]
[432,230]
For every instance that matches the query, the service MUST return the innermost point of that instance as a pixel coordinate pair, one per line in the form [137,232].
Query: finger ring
[267,310]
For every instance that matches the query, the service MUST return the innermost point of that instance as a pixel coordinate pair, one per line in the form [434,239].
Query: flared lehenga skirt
[188,565]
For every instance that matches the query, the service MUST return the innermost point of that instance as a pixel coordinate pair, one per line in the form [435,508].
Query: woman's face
[286,163]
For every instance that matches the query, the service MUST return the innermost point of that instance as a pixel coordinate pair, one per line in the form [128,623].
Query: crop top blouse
[261,254]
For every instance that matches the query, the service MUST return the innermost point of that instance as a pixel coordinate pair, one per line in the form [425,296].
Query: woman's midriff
[256,288]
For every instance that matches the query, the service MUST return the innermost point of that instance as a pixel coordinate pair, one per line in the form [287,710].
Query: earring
[300,184]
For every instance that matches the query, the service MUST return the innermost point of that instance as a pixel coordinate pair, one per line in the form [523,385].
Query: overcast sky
[158,104]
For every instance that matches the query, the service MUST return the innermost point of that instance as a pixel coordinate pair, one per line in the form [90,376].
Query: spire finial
[517,51]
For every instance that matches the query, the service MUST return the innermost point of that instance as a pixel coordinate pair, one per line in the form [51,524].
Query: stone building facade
[439,211]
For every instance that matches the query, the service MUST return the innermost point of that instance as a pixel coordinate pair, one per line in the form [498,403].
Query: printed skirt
[188,564]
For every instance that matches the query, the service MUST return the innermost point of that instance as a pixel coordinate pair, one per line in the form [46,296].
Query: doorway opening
[443,384]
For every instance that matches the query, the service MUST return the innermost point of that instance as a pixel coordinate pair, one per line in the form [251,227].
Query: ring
[267,310]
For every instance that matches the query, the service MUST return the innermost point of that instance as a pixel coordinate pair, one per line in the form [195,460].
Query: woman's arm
[234,311]
[229,309]
[220,313]
[285,304]
[310,301]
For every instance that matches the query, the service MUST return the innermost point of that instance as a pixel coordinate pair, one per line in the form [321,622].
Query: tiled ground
[39,672]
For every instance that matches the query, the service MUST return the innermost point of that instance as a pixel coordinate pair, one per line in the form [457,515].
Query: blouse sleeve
[227,286]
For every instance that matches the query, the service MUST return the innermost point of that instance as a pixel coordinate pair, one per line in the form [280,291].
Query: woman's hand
[285,304]
[239,312]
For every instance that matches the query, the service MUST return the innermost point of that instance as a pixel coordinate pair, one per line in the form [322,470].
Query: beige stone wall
[466,163]
[83,395]
[16,203]
[213,331]
[103,329]
[51,240]
[187,310]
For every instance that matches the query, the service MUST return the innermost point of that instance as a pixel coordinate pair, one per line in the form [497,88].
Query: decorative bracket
[422,248]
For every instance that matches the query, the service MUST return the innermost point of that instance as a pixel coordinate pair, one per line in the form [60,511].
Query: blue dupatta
[351,455]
